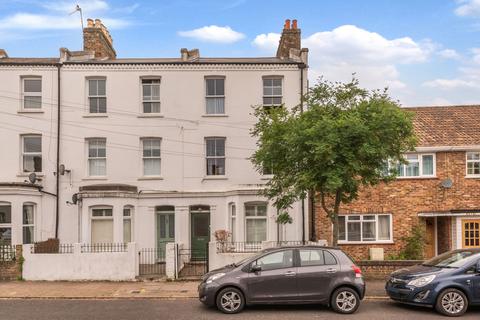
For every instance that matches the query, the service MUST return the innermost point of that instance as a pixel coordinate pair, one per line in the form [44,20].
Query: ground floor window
[365,228]
[471,233]
[5,223]
[233,221]
[127,224]
[102,225]
[256,222]
[28,223]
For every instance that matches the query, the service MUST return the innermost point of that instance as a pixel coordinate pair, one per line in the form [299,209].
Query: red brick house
[439,188]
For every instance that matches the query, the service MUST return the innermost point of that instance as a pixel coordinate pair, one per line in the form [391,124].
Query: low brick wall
[373,269]
[12,270]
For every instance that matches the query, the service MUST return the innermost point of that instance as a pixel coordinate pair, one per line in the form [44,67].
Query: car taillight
[358,271]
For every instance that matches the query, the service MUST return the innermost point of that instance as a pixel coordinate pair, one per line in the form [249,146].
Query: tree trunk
[335,229]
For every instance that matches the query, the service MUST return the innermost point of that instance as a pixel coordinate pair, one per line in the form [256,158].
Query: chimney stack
[3,54]
[98,40]
[290,39]
[189,55]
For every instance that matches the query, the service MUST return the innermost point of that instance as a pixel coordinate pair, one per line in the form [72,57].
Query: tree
[347,138]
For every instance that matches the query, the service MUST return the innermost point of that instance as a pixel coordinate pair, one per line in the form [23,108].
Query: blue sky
[427,52]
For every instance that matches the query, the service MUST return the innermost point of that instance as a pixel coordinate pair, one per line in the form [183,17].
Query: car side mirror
[256,268]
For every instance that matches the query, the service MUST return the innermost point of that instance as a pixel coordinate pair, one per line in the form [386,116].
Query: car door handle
[290,273]
[331,270]
[469,282]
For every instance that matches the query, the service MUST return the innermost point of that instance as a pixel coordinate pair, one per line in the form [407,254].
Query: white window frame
[265,217]
[360,221]
[8,225]
[89,111]
[467,161]
[232,221]
[88,141]
[24,153]
[207,96]
[31,94]
[103,217]
[420,166]
[142,97]
[125,218]
[31,225]
[207,157]
[150,157]
[272,96]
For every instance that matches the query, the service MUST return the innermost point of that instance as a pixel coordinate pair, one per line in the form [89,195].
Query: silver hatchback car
[286,275]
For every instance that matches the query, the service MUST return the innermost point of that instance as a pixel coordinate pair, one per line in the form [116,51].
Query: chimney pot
[98,23]
[97,39]
[287,24]
[3,54]
[90,23]
[294,24]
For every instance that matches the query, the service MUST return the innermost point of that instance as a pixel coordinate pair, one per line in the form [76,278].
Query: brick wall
[11,270]
[405,198]
[382,269]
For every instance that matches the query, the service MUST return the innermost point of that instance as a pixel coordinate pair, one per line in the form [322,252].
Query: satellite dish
[32,177]
[447,183]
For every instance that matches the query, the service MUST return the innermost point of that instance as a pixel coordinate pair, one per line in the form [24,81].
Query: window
[5,223]
[233,221]
[28,223]
[151,95]
[97,157]
[151,156]
[316,257]
[127,224]
[215,95]
[32,153]
[32,93]
[102,225]
[272,91]
[419,165]
[473,163]
[215,156]
[256,222]
[97,95]
[276,260]
[365,228]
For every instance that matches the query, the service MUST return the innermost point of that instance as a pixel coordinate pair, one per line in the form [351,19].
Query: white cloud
[450,84]
[449,54]
[267,42]
[468,8]
[88,6]
[213,33]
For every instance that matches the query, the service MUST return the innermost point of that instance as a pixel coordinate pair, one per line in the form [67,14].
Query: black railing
[151,261]
[61,248]
[7,253]
[240,247]
[103,247]
[192,262]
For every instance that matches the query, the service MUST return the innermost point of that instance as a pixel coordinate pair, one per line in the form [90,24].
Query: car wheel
[230,300]
[452,302]
[345,300]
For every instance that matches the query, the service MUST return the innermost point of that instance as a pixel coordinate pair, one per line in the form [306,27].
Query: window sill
[215,115]
[26,174]
[215,178]
[365,242]
[150,178]
[38,111]
[94,178]
[417,177]
[95,115]
[266,177]
[472,177]
[150,115]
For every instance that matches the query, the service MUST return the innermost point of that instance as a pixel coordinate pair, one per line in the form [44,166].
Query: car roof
[306,246]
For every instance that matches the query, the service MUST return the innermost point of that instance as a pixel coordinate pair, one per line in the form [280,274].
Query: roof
[447,126]
[253,60]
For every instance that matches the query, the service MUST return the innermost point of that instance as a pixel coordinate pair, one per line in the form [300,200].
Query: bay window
[5,223]
[28,223]
[256,222]
[102,225]
[127,224]
[365,228]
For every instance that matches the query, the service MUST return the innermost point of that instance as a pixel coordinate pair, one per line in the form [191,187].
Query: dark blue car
[449,282]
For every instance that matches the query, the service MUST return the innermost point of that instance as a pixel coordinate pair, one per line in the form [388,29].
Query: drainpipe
[57,175]
[302,67]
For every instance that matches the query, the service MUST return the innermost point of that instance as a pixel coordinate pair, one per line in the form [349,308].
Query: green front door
[165,230]
[200,234]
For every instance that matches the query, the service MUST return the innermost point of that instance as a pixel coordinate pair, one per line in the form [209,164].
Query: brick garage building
[439,189]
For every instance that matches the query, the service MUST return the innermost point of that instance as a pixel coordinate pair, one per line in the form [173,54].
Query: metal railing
[60,248]
[7,253]
[239,247]
[103,247]
[151,261]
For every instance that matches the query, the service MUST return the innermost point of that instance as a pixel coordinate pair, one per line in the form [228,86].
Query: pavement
[122,290]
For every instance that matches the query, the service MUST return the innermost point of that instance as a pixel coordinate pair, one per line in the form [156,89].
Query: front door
[200,233]
[165,229]
[430,238]
[470,233]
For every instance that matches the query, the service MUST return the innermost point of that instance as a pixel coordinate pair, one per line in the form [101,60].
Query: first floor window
[473,163]
[417,165]
[5,224]
[28,223]
[151,95]
[272,91]
[256,222]
[215,95]
[127,224]
[32,153]
[97,95]
[32,93]
[102,225]
[364,228]
[151,156]
[97,157]
[215,156]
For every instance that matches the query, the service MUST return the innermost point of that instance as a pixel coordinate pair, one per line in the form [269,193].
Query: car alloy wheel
[230,300]
[345,300]
[452,302]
